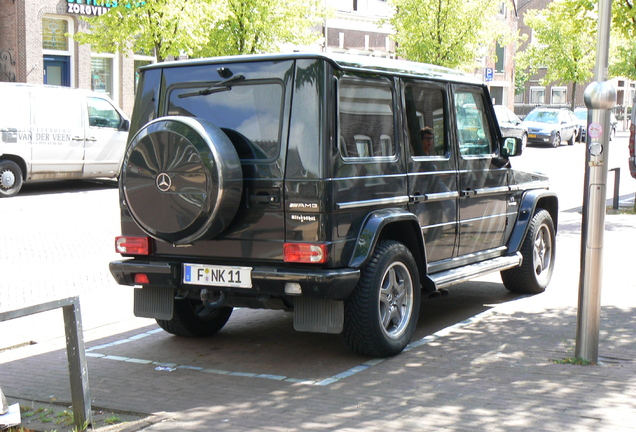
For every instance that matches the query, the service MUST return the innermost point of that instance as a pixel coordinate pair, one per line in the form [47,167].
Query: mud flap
[154,302]
[318,315]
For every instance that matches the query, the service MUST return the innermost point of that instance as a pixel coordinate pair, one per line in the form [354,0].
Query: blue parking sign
[489,74]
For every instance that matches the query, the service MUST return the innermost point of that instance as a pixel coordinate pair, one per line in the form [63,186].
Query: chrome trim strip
[373,202]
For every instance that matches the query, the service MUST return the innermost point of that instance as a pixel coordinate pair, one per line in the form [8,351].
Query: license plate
[532,136]
[214,275]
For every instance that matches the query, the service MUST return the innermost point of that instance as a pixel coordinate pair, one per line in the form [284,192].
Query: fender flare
[373,227]
[529,202]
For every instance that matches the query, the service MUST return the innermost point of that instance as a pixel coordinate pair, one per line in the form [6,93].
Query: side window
[366,121]
[473,129]
[102,114]
[425,114]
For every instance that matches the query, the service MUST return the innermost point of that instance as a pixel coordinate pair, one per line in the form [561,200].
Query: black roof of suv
[338,187]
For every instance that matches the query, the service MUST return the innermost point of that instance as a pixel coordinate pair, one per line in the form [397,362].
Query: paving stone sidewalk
[502,370]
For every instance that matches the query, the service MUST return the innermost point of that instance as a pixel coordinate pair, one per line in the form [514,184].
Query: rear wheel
[524,141]
[572,139]
[10,178]
[535,272]
[191,318]
[382,313]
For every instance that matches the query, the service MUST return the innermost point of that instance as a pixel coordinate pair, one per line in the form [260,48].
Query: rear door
[58,134]
[432,175]
[252,109]
[483,176]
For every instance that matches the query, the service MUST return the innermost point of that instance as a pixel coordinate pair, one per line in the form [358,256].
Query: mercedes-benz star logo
[163,182]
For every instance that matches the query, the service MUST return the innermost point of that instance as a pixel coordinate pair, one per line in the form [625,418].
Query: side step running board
[450,277]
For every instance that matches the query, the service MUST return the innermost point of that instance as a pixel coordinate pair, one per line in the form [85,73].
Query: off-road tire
[190,318]
[538,251]
[381,315]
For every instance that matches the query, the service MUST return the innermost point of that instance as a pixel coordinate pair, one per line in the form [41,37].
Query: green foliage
[563,42]
[164,27]
[574,361]
[564,39]
[257,26]
[452,33]
[203,27]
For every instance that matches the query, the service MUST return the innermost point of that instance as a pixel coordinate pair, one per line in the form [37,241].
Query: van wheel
[190,318]
[10,178]
[538,251]
[181,179]
[382,313]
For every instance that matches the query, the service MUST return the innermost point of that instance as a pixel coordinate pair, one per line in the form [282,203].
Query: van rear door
[57,134]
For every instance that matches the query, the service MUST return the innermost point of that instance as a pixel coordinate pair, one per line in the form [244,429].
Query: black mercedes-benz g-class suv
[341,188]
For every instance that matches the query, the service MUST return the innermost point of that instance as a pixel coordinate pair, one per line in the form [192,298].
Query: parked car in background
[510,124]
[55,133]
[551,126]
[581,116]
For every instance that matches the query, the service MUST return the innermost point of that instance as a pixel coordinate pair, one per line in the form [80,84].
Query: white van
[53,133]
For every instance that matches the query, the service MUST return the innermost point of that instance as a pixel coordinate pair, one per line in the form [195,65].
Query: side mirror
[511,147]
[125,125]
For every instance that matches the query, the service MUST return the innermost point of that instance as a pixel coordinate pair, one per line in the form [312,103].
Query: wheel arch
[530,201]
[18,160]
[390,224]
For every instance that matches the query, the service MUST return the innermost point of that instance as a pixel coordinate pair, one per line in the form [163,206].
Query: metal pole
[600,96]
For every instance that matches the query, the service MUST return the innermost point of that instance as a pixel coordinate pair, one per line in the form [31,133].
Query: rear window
[248,112]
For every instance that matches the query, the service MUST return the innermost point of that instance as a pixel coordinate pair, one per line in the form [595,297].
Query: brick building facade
[34,49]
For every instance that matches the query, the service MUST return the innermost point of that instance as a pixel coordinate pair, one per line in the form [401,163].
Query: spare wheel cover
[181,179]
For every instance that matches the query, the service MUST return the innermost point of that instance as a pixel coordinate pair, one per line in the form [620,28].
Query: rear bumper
[333,284]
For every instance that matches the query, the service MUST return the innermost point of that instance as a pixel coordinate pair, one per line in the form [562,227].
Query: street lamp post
[600,96]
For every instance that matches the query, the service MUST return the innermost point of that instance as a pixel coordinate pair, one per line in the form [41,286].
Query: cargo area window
[249,112]
[366,121]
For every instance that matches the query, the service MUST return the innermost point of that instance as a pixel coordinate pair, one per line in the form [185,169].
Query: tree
[563,43]
[163,27]
[202,27]
[257,26]
[451,33]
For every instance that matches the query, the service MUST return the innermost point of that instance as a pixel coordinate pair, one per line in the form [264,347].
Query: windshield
[581,114]
[543,117]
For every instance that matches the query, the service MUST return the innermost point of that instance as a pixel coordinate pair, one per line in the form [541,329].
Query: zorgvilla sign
[92,7]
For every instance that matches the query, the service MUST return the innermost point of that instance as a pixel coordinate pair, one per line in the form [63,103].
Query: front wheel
[382,313]
[190,318]
[538,251]
[10,178]
[557,140]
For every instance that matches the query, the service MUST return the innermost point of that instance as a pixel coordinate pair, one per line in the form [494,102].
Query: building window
[102,75]
[502,9]
[54,32]
[537,95]
[559,95]
[500,52]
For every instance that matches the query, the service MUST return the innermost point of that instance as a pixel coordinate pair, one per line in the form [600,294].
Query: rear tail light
[305,253]
[132,245]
